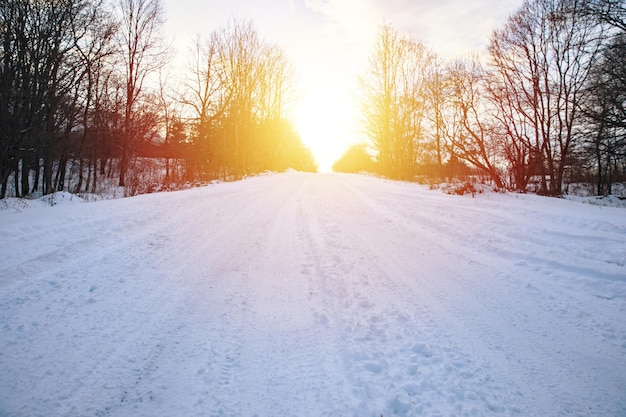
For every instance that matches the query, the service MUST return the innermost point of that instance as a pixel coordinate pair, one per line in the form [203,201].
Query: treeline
[544,110]
[83,101]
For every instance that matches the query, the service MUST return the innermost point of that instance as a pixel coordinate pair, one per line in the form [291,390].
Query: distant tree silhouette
[355,159]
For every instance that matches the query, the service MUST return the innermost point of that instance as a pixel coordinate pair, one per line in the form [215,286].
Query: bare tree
[542,61]
[14,109]
[442,122]
[380,96]
[276,89]
[143,54]
[39,73]
[207,94]
[94,49]
[611,12]
[241,51]
[239,91]
[476,139]
[171,124]
[393,101]
[605,109]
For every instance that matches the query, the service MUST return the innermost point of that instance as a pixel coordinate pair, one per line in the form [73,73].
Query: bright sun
[326,117]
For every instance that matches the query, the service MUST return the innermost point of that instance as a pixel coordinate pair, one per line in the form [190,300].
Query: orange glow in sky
[329,41]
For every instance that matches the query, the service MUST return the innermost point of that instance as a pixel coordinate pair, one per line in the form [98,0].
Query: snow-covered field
[313,295]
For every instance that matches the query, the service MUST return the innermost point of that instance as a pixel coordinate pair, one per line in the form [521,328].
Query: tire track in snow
[125,248]
[215,278]
[283,355]
[61,239]
[144,332]
[389,335]
[60,336]
[298,295]
[517,343]
[241,296]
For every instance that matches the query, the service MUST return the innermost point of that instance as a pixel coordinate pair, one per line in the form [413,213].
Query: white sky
[329,41]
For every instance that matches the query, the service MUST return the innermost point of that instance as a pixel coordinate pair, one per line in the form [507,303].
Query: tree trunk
[47,174]
[16,178]
[25,175]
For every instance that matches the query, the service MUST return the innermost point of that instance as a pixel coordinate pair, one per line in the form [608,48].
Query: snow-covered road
[313,295]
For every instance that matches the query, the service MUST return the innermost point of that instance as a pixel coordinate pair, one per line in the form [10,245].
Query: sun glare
[325,117]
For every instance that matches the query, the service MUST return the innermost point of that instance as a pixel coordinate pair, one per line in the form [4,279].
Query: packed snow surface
[313,295]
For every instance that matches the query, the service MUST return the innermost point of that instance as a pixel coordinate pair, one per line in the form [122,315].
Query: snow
[313,295]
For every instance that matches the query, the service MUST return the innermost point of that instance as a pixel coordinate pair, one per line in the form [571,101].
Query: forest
[86,102]
[542,111]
